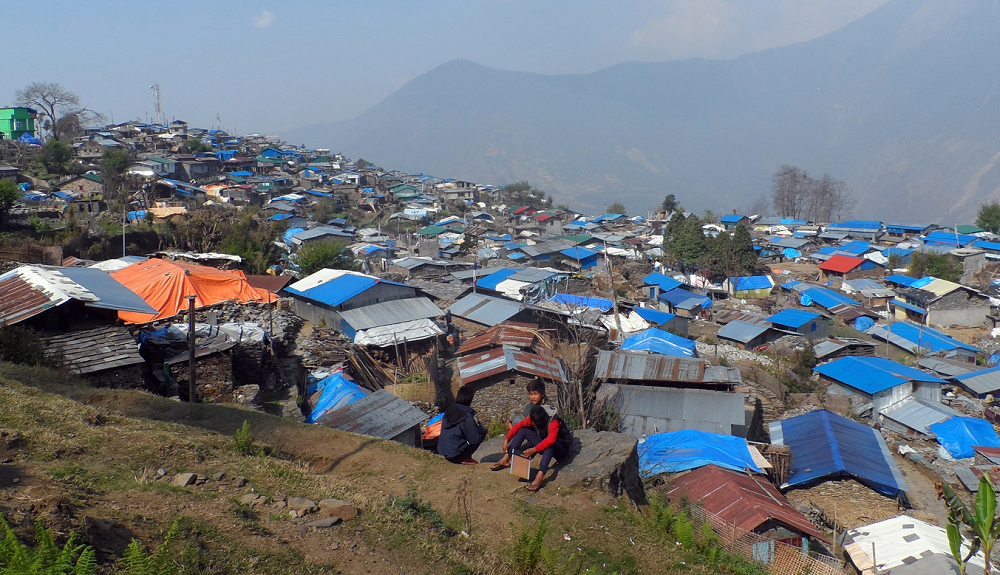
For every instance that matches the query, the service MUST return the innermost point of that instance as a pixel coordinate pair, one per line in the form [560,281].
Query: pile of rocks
[286,324]
[730,353]
[325,513]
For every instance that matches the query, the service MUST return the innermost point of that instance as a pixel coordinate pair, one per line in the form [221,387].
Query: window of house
[813,326]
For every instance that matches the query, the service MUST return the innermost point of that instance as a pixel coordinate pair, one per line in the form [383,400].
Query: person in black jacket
[461,434]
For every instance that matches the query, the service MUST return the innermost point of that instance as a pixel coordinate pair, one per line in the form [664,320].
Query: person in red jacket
[544,432]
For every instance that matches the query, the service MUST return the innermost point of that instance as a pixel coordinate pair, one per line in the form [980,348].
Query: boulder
[302,505]
[338,508]
[604,460]
[185,479]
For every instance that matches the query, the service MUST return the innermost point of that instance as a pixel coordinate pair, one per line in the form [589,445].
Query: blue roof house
[878,380]
[750,287]
[808,324]
[322,296]
[581,258]
[656,282]
[920,339]
[730,221]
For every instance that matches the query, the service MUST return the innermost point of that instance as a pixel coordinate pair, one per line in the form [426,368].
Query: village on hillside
[805,382]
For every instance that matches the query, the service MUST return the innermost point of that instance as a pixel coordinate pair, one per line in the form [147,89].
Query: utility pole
[192,391]
[156,94]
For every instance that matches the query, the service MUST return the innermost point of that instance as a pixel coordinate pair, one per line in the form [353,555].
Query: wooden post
[192,391]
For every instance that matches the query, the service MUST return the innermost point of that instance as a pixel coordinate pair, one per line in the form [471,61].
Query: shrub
[20,344]
[244,441]
[46,558]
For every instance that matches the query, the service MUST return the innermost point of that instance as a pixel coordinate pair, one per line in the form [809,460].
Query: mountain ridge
[901,104]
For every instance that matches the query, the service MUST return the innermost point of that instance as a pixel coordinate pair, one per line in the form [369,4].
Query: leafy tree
[54,156]
[9,193]
[325,254]
[670,204]
[617,208]
[688,244]
[981,521]
[195,146]
[743,249]
[933,264]
[53,102]
[989,217]
[114,164]
[363,164]
[523,193]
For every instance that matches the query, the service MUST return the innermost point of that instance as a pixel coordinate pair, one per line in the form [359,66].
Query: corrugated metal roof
[507,334]
[872,374]
[912,337]
[390,312]
[903,541]
[665,282]
[532,275]
[793,317]
[981,382]
[654,316]
[736,315]
[94,350]
[334,287]
[944,368]
[20,300]
[484,309]
[745,500]
[379,414]
[918,414]
[624,365]
[742,331]
[111,294]
[495,362]
[647,410]
[751,283]
[833,345]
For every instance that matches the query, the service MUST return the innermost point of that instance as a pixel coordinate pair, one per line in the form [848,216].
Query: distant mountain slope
[903,104]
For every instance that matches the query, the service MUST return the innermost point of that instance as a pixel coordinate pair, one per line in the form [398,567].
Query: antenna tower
[159,111]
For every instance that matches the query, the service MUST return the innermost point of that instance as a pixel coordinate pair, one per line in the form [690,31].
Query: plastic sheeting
[659,341]
[959,434]
[433,430]
[690,449]
[826,446]
[337,391]
[165,286]
[247,332]
[397,333]
[863,323]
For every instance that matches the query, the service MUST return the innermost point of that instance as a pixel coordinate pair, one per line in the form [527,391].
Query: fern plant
[46,558]
[529,548]
[137,561]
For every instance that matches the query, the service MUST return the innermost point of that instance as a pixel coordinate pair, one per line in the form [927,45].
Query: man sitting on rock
[461,434]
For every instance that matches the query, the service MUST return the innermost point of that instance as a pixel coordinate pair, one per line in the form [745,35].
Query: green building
[15,122]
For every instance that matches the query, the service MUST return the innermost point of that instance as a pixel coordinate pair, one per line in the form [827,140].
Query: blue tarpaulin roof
[959,434]
[949,238]
[751,282]
[337,392]
[731,218]
[690,449]
[927,338]
[795,318]
[578,253]
[659,341]
[683,299]
[872,374]
[826,445]
[337,290]
[790,253]
[491,281]
[827,298]
[665,282]
[582,301]
[654,316]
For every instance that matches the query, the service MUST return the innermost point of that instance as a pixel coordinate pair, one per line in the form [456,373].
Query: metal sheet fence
[779,558]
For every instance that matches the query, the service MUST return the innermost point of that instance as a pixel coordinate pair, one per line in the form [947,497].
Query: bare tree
[760,207]
[60,107]
[790,191]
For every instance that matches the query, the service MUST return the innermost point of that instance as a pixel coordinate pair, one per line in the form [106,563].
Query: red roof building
[750,502]
[847,267]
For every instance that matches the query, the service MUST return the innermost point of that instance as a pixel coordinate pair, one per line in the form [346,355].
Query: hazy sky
[271,66]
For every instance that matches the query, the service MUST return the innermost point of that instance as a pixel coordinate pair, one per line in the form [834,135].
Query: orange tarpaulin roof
[165,286]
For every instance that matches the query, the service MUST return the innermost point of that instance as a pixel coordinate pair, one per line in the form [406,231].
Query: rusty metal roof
[20,300]
[508,334]
[737,315]
[273,284]
[379,414]
[501,360]
[636,366]
[748,501]
[94,350]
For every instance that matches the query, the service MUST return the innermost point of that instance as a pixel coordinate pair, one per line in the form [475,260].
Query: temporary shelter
[690,449]
[165,286]
[829,446]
